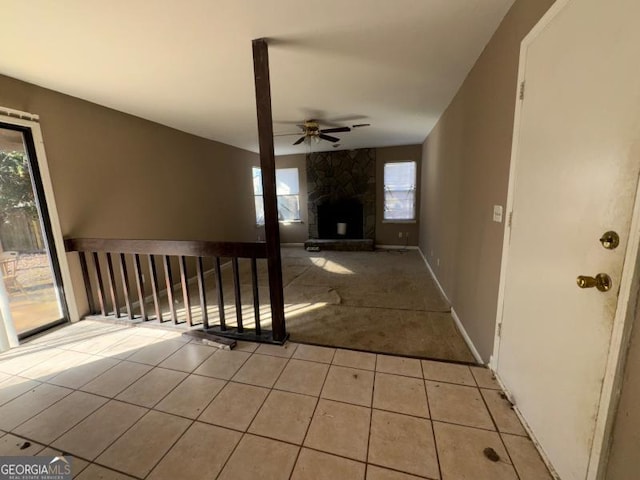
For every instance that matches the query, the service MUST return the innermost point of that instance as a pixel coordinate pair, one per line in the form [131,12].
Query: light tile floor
[136,402]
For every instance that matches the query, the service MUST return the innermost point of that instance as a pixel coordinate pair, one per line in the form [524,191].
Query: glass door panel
[28,266]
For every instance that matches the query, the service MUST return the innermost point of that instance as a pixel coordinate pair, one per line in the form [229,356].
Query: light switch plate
[497,213]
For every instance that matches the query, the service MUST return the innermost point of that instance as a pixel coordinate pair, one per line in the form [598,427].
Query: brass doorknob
[610,240]
[601,281]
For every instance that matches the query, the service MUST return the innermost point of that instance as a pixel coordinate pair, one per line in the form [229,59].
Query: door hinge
[521,90]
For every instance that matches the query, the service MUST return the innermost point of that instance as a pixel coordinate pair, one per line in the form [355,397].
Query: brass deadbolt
[601,281]
[610,240]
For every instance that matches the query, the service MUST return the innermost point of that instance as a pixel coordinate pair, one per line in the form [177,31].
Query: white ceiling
[188,64]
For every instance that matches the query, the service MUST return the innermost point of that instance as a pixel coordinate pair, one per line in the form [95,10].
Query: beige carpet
[382,301]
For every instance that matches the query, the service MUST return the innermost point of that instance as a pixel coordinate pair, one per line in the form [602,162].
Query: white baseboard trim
[433,275]
[454,315]
[397,247]
[467,338]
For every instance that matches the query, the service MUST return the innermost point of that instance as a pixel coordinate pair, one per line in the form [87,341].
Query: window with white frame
[287,191]
[399,191]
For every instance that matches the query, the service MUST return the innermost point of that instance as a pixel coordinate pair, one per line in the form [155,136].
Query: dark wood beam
[268,167]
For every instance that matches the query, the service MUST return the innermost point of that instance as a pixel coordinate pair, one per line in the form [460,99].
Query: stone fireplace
[341,189]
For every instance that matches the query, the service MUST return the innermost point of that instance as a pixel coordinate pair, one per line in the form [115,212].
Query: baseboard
[467,338]
[397,247]
[456,319]
[526,427]
[433,275]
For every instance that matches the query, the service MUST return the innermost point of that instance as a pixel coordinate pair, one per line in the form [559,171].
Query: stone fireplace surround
[338,179]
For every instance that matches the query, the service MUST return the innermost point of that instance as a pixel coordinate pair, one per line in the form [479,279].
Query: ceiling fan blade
[358,125]
[328,138]
[300,140]
[335,130]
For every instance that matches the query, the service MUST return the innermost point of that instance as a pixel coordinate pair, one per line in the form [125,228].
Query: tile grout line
[155,465]
[495,424]
[433,429]
[245,432]
[187,374]
[299,447]
[259,386]
[373,389]
[78,389]
[153,408]
[315,408]
[12,430]
[149,409]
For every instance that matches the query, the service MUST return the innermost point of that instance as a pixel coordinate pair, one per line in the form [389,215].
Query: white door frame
[626,299]
[30,120]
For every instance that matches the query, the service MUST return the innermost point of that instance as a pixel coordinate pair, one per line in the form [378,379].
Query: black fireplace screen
[347,211]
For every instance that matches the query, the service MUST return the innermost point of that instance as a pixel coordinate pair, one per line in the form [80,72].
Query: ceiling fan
[311,131]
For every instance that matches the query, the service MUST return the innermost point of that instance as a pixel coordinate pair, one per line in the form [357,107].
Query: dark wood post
[268,167]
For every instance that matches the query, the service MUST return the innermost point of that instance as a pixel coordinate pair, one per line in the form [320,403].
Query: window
[400,191]
[287,190]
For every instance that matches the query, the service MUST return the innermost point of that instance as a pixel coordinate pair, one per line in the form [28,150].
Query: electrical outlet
[399,234]
[497,213]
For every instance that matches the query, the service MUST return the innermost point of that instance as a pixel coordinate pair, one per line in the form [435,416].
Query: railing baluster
[87,282]
[99,283]
[153,273]
[112,286]
[184,281]
[202,292]
[236,288]
[169,279]
[102,280]
[223,323]
[256,300]
[137,271]
[125,285]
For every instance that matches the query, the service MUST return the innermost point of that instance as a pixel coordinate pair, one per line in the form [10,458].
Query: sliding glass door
[28,264]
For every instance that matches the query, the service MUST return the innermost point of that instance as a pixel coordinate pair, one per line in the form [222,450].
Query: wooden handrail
[113,272]
[189,248]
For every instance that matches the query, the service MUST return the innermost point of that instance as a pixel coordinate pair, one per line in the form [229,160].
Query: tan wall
[119,176]
[387,233]
[465,172]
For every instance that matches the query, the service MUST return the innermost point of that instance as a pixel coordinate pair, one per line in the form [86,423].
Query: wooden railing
[137,260]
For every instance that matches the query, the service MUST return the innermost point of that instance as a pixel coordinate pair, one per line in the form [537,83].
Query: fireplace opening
[346,211]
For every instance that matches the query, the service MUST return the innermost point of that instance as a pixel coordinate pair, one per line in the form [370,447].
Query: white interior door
[575,173]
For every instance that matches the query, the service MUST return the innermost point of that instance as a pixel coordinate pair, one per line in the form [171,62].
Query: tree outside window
[287,191]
